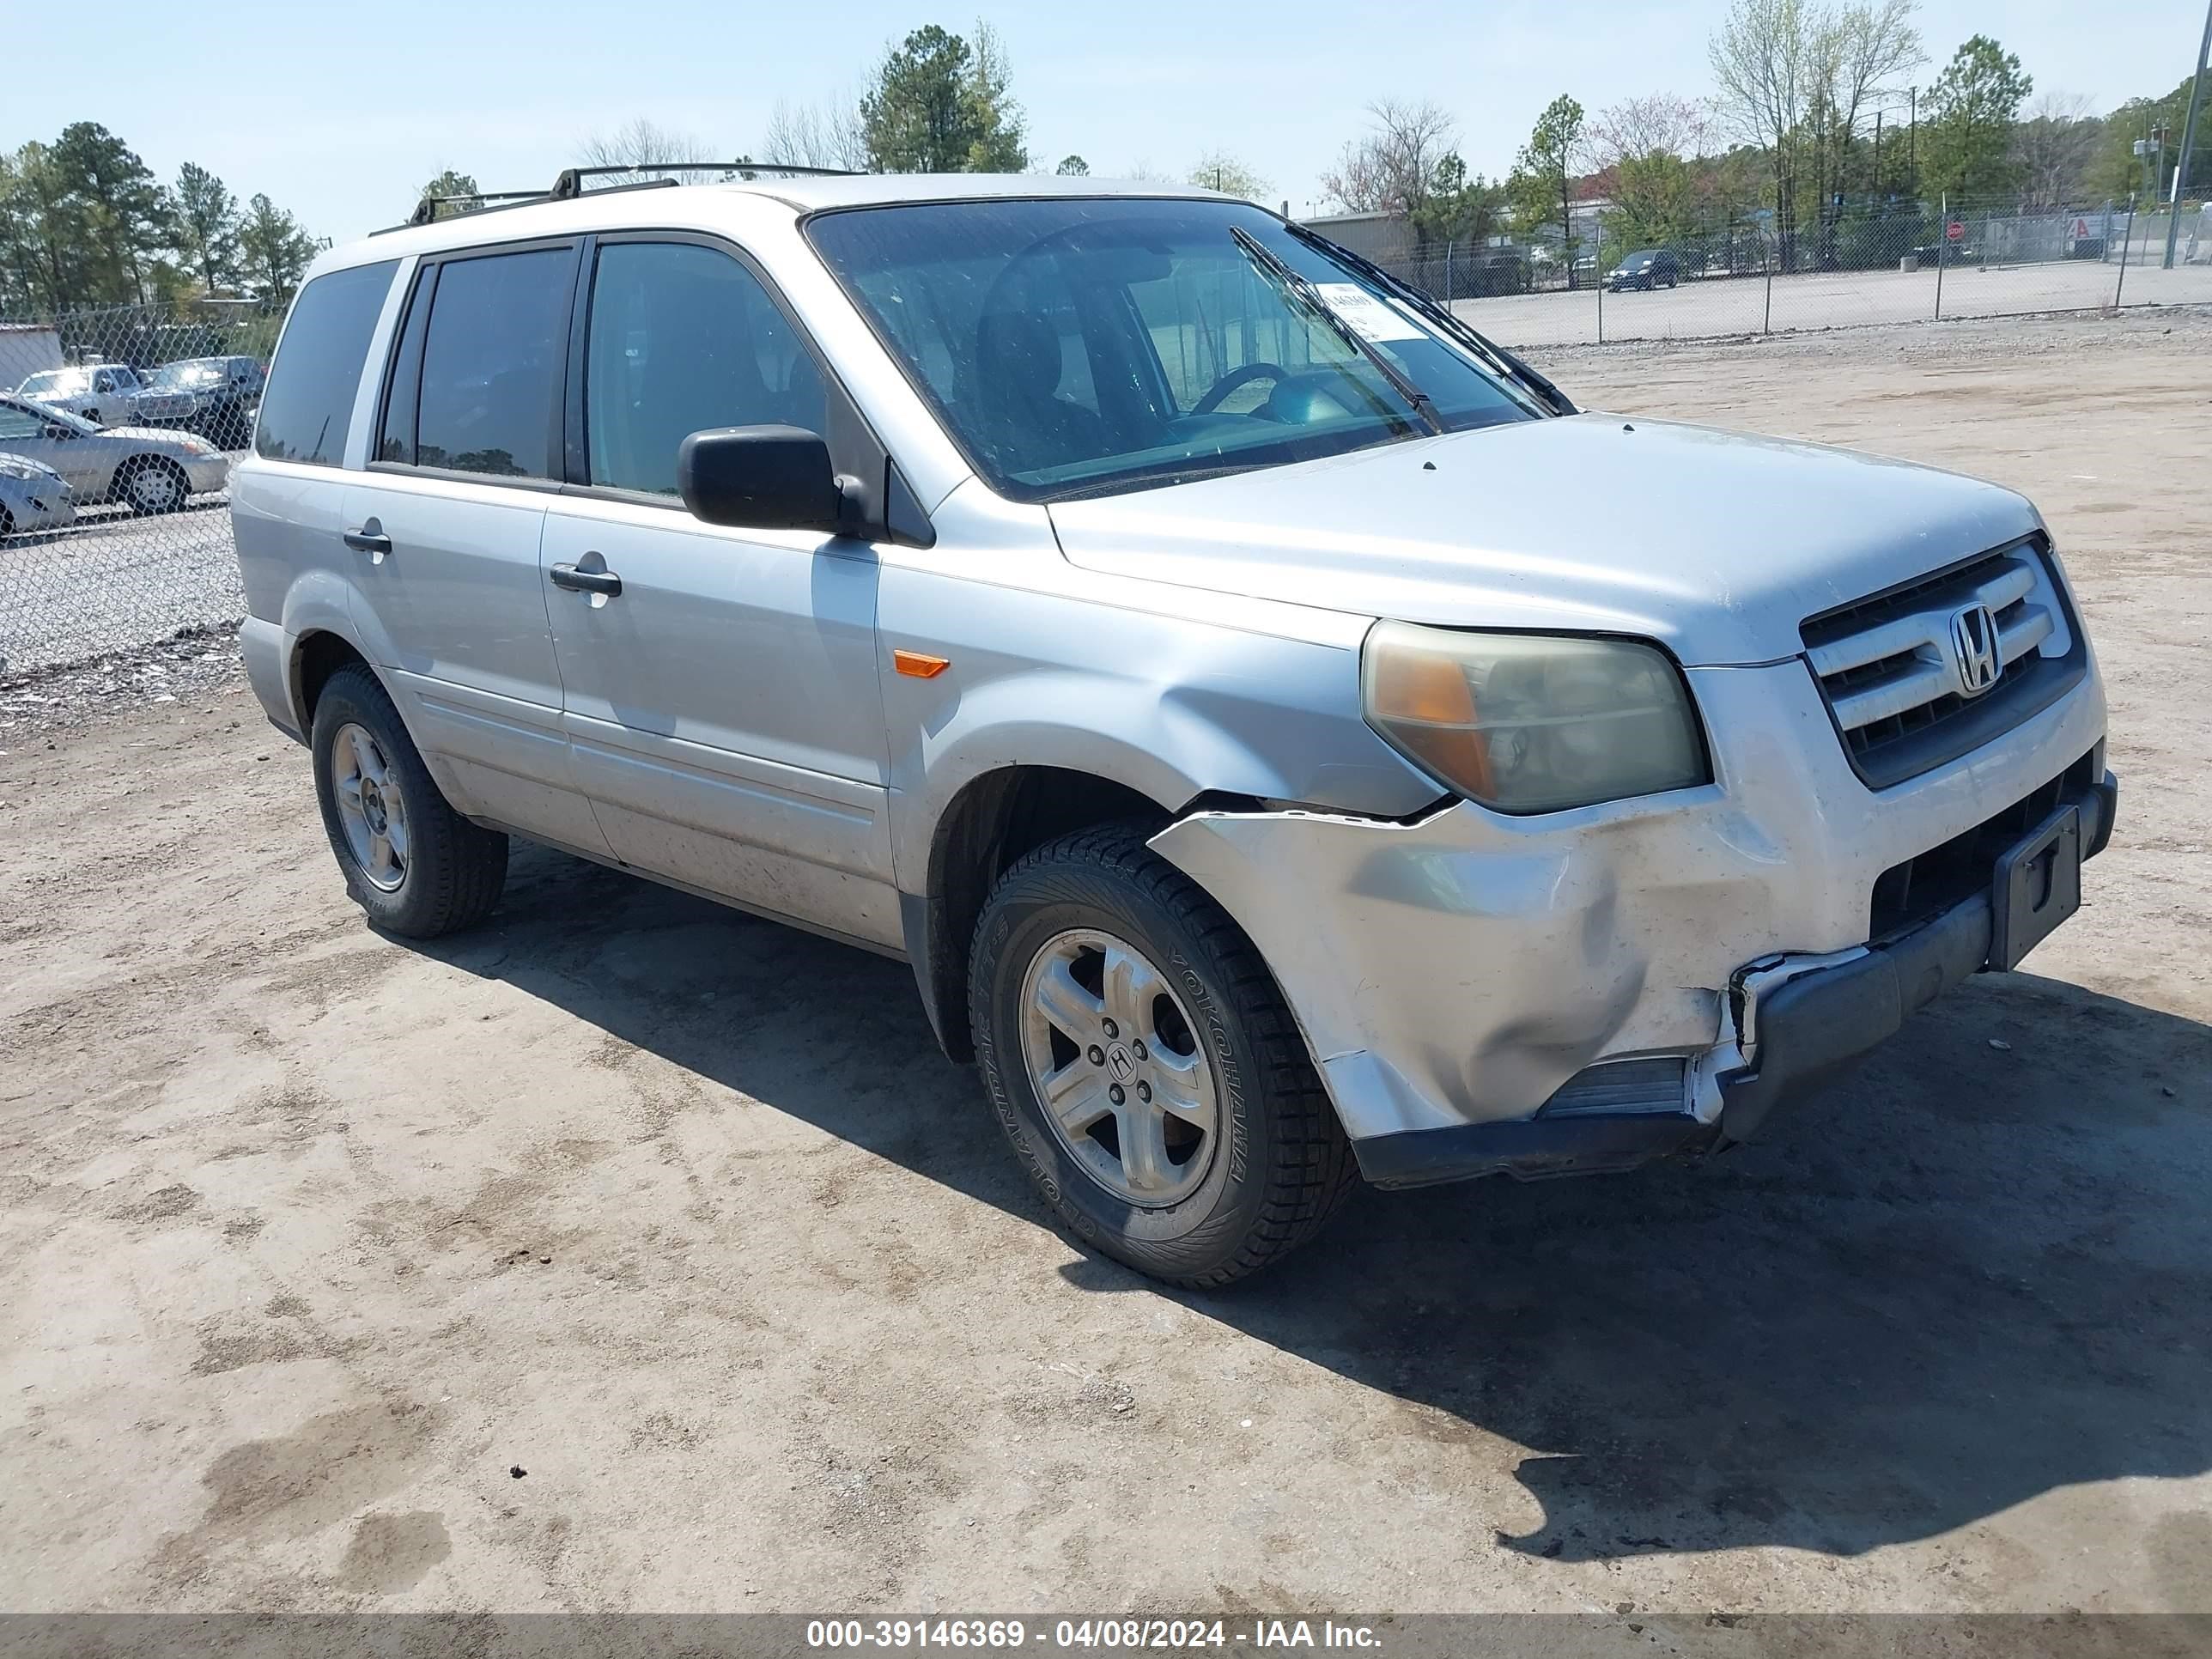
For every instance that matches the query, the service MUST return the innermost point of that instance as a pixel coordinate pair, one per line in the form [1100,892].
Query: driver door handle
[365,540]
[585,581]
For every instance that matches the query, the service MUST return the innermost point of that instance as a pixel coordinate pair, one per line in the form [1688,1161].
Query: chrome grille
[1890,667]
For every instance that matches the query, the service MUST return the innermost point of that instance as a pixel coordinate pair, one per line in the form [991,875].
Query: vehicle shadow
[1972,1274]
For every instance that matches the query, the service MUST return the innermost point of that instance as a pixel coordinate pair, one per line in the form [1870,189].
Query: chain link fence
[1906,265]
[119,428]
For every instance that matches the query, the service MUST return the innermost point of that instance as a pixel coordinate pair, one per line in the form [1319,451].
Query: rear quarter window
[307,410]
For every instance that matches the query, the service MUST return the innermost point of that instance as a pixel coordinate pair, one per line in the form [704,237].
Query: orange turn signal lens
[920,665]
[1431,690]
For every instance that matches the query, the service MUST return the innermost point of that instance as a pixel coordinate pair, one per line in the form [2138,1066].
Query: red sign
[1955,230]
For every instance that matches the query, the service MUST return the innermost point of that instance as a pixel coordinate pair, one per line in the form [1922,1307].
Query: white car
[1288,740]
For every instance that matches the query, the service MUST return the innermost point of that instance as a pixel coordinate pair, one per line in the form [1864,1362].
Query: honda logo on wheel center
[1119,1062]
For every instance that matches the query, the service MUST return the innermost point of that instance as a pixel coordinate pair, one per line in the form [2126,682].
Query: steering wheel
[1242,375]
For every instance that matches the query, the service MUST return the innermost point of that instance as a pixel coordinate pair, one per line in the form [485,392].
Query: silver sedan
[147,470]
[33,497]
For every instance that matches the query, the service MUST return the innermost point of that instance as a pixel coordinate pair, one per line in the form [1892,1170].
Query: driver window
[682,338]
[14,423]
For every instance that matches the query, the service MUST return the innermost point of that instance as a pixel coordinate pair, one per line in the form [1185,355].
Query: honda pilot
[1286,738]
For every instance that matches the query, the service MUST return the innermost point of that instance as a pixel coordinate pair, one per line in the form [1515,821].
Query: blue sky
[343,110]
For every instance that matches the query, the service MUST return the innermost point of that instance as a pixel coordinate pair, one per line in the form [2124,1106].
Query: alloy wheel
[1117,1067]
[371,809]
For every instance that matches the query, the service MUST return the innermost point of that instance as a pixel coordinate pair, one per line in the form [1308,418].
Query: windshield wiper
[1488,349]
[1302,289]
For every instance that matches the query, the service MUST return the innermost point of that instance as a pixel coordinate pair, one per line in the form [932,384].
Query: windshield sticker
[1372,319]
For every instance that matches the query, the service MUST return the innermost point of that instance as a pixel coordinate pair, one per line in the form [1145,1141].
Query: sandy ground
[1707,307]
[630,1254]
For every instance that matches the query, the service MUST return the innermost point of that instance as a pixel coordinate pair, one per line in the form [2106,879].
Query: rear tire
[1276,1164]
[415,865]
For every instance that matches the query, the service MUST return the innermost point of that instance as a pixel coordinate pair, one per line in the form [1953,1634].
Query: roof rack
[570,184]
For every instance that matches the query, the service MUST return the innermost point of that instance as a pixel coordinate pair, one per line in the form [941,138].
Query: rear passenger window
[683,338]
[491,361]
[308,406]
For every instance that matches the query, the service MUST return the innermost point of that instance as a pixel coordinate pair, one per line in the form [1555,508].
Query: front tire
[1144,1068]
[415,865]
[154,486]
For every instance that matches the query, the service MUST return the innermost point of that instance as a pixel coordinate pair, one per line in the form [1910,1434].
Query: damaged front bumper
[1585,991]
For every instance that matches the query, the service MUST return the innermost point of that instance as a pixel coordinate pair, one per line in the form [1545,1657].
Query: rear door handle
[365,540]
[585,581]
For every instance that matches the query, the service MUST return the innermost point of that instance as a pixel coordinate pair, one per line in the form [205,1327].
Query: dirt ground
[633,1255]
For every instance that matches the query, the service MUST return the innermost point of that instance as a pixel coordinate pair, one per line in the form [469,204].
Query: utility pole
[1912,135]
[2188,137]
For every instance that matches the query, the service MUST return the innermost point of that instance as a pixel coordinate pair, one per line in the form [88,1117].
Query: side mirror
[759,478]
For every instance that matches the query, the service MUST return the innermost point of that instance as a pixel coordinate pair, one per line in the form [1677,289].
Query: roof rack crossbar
[570,184]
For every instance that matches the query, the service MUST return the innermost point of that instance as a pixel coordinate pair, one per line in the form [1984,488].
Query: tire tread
[464,863]
[1311,1167]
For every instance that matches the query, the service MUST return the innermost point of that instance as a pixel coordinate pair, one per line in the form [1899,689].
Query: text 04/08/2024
[1087,1635]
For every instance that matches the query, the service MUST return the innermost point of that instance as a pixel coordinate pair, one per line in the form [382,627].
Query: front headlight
[1532,723]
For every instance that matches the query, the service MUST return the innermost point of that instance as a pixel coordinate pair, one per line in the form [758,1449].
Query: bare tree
[1662,125]
[2053,148]
[1794,79]
[642,148]
[1867,47]
[1393,169]
[827,134]
[1765,65]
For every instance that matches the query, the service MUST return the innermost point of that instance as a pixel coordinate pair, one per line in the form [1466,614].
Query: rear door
[446,524]
[723,705]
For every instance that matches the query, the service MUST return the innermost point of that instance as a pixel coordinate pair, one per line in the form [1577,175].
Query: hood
[167,436]
[1716,544]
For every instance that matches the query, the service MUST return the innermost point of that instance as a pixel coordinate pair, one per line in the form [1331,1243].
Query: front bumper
[207,474]
[1797,1024]
[1451,975]
[1807,1028]
[44,506]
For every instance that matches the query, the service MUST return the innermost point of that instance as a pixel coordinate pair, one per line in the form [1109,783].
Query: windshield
[187,373]
[1079,347]
[56,383]
[59,417]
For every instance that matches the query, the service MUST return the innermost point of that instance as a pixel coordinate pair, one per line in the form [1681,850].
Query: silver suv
[1287,740]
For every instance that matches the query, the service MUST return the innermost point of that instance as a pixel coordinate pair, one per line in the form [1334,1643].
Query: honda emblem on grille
[1974,649]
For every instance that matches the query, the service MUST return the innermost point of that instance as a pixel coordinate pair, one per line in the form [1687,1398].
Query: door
[722,704]
[446,527]
[110,404]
